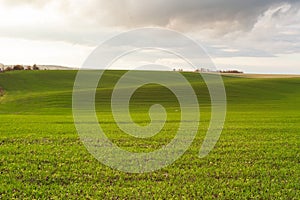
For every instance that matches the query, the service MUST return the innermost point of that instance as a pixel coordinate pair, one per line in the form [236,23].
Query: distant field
[257,156]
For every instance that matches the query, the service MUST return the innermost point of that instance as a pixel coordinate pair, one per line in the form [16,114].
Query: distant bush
[18,67]
[28,68]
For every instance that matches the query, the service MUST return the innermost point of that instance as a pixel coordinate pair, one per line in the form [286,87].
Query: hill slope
[257,155]
[37,91]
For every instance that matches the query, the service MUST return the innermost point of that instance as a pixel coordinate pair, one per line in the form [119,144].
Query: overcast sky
[257,36]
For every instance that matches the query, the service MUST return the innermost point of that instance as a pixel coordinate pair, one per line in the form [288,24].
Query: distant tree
[28,68]
[35,67]
[18,67]
[8,69]
[231,71]
[204,70]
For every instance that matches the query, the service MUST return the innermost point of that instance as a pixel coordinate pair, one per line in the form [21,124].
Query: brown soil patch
[263,75]
[1,91]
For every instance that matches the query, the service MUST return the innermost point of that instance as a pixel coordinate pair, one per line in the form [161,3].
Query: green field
[42,157]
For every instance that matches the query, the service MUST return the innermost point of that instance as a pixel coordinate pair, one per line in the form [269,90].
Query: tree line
[19,67]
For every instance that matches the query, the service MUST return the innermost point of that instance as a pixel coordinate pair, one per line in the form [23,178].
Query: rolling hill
[257,155]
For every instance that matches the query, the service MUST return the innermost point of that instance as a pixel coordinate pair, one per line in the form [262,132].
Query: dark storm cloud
[188,14]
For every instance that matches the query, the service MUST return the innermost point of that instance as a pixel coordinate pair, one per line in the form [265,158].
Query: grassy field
[257,156]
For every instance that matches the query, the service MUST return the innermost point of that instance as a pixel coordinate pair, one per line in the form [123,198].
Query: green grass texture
[42,157]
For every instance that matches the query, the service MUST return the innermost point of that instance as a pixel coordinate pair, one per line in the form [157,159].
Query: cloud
[227,28]
[183,15]
[37,3]
[222,16]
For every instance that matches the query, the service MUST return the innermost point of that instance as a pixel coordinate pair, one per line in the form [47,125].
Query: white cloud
[20,51]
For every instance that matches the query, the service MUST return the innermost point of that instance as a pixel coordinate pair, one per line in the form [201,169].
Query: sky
[254,36]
